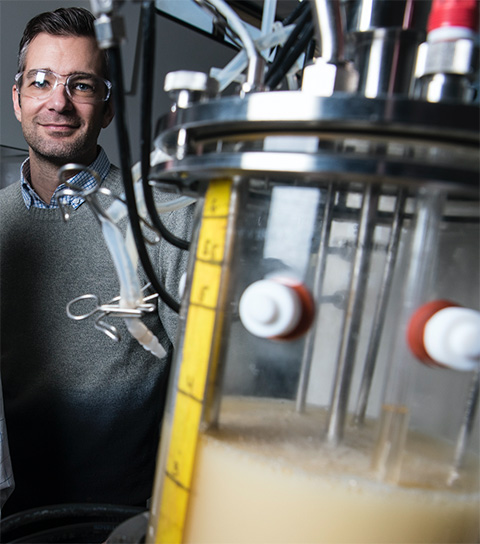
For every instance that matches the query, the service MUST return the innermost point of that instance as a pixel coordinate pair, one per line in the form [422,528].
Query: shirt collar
[83,179]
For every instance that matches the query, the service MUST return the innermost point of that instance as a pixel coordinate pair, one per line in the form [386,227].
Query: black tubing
[148,65]
[115,63]
[303,40]
[293,16]
[287,46]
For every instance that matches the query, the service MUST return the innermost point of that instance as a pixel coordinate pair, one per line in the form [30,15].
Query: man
[83,412]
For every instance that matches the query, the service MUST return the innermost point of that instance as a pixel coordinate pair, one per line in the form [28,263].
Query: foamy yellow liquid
[267,477]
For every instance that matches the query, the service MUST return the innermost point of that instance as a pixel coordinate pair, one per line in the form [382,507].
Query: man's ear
[17,107]
[108,113]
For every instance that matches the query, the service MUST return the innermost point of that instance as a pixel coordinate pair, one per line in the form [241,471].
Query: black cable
[288,45]
[310,51]
[292,17]
[280,72]
[302,13]
[309,54]
[148,30]
[115,63]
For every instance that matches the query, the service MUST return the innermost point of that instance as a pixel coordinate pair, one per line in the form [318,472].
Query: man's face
[56,128]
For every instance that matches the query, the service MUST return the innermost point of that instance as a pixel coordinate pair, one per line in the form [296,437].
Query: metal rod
[379,318]
[341,390]
[317,289]
[465,428]
[330,28]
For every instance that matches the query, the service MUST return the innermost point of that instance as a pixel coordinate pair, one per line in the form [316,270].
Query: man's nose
[59,99]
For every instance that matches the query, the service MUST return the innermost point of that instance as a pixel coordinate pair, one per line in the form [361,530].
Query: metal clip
[111,308]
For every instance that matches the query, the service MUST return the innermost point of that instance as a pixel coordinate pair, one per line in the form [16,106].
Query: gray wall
[177,48]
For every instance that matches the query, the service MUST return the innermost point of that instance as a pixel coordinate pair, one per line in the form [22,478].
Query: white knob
[452,338]
[269,308]
[189,81]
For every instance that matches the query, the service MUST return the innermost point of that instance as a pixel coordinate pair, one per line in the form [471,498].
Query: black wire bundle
[292,17]
[298,41]
[148,31]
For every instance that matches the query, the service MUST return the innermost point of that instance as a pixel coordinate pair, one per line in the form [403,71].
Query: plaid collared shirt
[83,179]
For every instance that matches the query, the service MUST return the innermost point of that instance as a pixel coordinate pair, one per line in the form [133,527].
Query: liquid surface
[267,476]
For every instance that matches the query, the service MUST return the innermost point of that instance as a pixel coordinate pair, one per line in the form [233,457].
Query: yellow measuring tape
[200,353]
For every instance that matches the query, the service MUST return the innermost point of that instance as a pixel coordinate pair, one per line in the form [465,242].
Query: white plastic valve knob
[452,338]
[270,309]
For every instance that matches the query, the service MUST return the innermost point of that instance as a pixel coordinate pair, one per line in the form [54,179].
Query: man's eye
[40,84]
[83,87]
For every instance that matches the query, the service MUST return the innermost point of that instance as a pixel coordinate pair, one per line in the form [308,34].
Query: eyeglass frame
[108,84]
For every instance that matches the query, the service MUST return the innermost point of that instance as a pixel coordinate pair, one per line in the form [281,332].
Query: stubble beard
[59,151]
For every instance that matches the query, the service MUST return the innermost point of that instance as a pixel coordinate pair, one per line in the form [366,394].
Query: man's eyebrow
[83,74]
[33,70]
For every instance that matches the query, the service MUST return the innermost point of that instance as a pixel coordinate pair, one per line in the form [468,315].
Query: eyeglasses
[81,88]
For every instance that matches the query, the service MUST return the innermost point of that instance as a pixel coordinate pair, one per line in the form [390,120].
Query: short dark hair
[72,21]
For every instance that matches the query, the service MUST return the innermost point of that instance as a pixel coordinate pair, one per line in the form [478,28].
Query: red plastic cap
[416,328]
[308,310]
[446,13]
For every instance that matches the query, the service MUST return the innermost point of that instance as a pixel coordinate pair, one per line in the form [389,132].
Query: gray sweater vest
[82,412]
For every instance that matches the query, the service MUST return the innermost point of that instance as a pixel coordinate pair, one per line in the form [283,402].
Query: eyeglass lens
[80,87]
